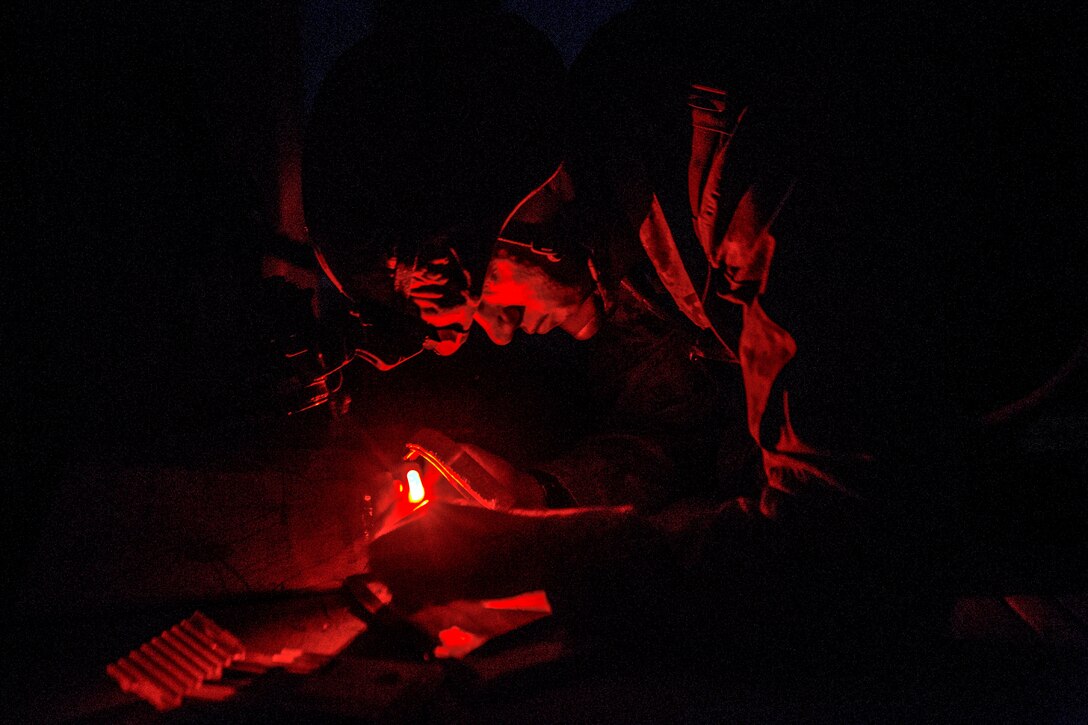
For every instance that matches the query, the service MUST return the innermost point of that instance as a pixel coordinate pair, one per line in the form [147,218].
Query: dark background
[154,155]
[156,151]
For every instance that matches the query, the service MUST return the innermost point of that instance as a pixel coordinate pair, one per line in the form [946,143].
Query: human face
[527,291]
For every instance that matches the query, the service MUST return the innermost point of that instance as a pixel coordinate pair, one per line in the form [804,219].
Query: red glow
[454,478]
[528,602]
[177,663]
[456,642]
[415,487]
[400,511]
[213,692]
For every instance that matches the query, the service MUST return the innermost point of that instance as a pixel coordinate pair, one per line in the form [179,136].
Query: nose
[499,322]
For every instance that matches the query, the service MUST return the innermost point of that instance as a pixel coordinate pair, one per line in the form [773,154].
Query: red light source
[452,462]
[415,486]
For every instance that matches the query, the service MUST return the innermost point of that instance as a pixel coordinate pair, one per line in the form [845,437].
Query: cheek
[530,289]
[550,296]
[508,287]
[537,288]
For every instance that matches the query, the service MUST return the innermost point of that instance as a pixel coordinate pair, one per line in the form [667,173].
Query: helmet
[422,138]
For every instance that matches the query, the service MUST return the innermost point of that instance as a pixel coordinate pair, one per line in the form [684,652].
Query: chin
[581,328]
[585,321]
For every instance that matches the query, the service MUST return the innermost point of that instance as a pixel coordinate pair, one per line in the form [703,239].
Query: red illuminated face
[530,290]
[526,291]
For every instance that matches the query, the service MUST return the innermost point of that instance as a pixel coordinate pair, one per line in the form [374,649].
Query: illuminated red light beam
[415,486]
[455,479]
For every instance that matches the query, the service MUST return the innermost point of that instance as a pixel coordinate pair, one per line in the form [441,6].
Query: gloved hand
[524,490]
[447,550]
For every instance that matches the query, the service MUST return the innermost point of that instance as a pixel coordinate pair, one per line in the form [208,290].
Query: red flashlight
[416,492]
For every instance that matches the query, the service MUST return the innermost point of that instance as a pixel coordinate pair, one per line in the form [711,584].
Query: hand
[524,490]
[446,551]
